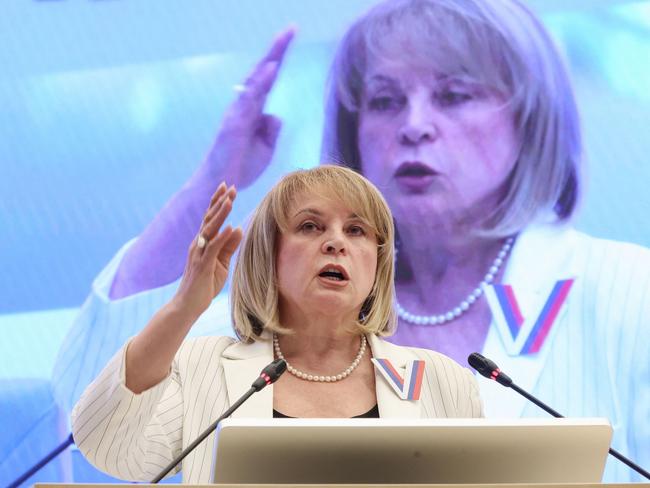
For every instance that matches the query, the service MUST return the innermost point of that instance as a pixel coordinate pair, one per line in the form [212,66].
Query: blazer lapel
[390,404]
[541,257]
[242,364]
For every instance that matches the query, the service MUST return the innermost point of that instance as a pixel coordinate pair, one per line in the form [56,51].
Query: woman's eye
[357,230]
[449,98]
[385,102]
[308,227]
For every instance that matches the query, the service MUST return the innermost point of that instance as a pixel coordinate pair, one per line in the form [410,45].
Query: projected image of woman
[461,112]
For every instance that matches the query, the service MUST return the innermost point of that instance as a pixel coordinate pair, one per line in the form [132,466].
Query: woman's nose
[419,125]
[333,245]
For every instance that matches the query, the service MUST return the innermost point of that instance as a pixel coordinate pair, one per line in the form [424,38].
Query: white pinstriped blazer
[135,436]
[596,360]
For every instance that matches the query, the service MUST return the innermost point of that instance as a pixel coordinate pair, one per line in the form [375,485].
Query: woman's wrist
[180,312]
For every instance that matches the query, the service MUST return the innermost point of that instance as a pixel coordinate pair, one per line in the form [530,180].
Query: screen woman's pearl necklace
[469,300]
[313,377]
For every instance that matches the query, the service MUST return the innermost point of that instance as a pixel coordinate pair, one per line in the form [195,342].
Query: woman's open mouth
[415,176]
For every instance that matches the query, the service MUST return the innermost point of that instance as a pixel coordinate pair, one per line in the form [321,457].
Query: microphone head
[275,369]
[481,364]
[270,374]
[488,368]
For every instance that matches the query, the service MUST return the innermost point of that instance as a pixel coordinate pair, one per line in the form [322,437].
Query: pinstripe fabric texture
[134,437]
[596,360]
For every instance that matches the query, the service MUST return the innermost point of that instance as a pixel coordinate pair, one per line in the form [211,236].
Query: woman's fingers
[230,245]
[261,87]
[209,254]
[215,217]
[257,86]
[212,227]
[270,64]
[224,246]
[218,211]
[274,56]
[280,45]
[221,189]
[254,92]
[216,207]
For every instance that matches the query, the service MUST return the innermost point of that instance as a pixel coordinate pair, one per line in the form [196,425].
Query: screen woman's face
[437,147]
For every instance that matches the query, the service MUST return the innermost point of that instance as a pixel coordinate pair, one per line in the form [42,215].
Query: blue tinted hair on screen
[500,44]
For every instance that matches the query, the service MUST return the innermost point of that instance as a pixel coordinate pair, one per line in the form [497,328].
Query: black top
[373,413]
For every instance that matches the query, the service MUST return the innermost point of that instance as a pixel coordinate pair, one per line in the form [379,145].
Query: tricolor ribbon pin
[407,387]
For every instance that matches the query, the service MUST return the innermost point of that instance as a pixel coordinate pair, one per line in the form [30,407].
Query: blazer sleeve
[129,436]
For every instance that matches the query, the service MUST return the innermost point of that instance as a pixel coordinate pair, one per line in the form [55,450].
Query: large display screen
[108,107]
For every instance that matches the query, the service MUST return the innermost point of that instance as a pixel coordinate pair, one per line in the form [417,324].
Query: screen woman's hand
[246,140]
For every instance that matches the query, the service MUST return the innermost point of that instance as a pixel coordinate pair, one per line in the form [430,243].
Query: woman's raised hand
[209,255]
[245,143]
[149,355]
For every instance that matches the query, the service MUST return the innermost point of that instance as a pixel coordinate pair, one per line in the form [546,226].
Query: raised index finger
[280,45]
[259,82]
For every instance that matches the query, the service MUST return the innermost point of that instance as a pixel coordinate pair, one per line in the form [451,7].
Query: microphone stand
[31,471]
[270,374]
[203,435]
[548,409]
[489,369]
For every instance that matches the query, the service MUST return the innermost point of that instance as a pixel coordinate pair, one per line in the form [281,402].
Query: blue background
[106,107]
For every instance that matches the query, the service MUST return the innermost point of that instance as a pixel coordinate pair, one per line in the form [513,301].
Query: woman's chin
[333,307]
[434,214]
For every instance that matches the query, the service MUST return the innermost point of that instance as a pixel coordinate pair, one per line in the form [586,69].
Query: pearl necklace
[469,299]
[313,377]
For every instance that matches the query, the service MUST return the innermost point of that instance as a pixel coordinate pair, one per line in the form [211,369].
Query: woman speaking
[313,284]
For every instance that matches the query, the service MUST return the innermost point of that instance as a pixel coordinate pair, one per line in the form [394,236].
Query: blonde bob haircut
[499,44]
[254,293]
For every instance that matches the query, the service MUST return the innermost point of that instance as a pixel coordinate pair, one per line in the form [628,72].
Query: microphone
[489,369]
[269,375]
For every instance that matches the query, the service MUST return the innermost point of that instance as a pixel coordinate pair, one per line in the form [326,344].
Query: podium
[409,451]
[442,453]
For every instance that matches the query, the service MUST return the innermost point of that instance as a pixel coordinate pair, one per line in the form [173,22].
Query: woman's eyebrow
[380,79]
[457,79]
[310,211]
[318,213]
